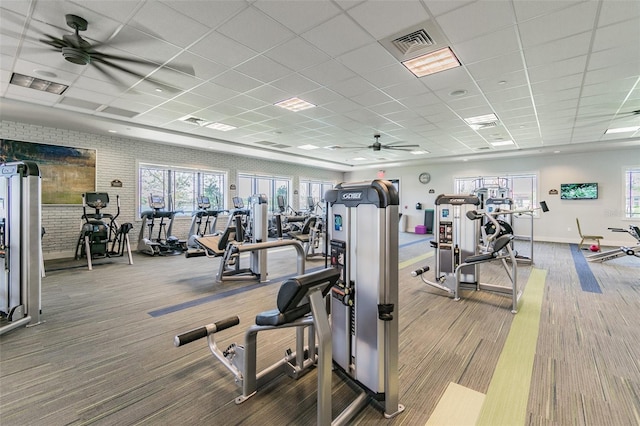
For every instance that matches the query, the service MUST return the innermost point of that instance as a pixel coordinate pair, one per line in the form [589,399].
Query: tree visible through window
[632,192]
[180,187]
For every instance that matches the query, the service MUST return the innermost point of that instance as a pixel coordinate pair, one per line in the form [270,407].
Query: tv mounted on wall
[578,191]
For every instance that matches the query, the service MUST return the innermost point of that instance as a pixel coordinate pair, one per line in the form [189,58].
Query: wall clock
[424,178]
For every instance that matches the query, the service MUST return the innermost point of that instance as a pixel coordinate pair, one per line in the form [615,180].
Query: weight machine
[96,233]
[20,245]
[463,243]
[634,231]
[362,337]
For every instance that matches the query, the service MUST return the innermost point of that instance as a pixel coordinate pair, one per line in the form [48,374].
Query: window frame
[631,197]
[509,177]
[169,187]
[257,183]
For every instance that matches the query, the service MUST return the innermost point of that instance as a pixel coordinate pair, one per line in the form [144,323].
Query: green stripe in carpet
[508,393]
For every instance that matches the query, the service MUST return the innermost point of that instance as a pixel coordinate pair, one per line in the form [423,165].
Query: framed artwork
[66,172]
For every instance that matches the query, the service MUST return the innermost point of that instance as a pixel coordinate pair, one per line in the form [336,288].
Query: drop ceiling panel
[617,11]
[337,36]
[558,25]
[370,57]
[212,17]
[614,35]
[223,50]
[475,19]
[165,23]
[382,19]
[297,54]
[298,16]
[488,46]
[255,30]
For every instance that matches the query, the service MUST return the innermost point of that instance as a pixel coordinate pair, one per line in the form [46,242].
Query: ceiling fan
[77,50]
[377,146]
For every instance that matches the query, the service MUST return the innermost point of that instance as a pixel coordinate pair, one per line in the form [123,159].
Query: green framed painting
[67,172]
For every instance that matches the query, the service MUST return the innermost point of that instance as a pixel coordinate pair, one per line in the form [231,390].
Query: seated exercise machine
[96,234]
[296,298]
[231,244]
[20,245]
[463,243]
[362,337]
[634,231]
[310,235]
[163,243]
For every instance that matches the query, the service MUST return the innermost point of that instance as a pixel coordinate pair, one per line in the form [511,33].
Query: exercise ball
[594,247]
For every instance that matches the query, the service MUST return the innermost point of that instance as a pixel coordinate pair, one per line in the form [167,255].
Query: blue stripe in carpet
[415,242]
[588,281]
[190,304]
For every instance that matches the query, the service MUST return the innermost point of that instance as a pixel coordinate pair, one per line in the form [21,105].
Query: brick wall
[117,158]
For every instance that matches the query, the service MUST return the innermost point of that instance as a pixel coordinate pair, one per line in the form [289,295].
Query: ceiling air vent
[119,111]
[281,146]
[416,41]
[483,148]
[194,120]
[267,143]
[80,103]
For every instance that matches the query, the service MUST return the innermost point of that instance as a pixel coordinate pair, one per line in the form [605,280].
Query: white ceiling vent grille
[119,111]
[194,120]
[416,41]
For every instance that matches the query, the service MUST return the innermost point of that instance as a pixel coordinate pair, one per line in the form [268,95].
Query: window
[313,190]
[179,187]
[632,193]
[271,186]
[522,188]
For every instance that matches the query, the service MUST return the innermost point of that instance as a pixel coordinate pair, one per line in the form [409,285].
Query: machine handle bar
[419,271]
[204,331]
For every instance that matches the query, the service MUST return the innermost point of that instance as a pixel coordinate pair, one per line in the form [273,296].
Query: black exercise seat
[292,301]
[500,243]
[304,234]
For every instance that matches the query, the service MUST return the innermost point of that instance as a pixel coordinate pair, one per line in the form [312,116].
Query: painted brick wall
[117,158]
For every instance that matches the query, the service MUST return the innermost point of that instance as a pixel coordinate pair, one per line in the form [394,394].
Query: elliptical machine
[163,244]
[201,221]
[96,233]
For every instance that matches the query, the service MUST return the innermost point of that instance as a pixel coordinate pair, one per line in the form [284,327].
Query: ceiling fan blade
[129,59]
[400,146]
[162,85]
[56,42]
[183,68]
[109,75]
[96,60]
[393,148]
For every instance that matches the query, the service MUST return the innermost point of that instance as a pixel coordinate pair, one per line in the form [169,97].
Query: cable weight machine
[20,245]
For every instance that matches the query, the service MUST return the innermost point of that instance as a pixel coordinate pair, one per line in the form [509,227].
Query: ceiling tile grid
[555,73]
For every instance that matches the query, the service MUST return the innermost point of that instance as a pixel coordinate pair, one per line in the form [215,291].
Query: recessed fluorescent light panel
[622,130]
[419,152]
[221,127]
[295,104]
[359,159]
[502,143]
[481,119]
[38,84]
[308,147]
[432,63]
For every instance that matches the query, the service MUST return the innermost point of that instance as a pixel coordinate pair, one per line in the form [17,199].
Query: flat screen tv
[578,191]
